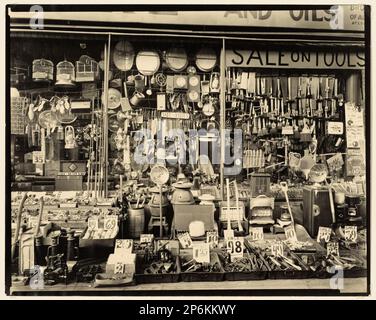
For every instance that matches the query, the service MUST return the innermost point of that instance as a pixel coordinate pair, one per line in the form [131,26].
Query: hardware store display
[139,160]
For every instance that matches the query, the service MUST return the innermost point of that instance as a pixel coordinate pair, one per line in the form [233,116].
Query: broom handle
[240,227]
[36,232]
[228,204]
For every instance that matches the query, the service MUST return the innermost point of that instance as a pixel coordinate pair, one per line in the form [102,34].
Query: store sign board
[345,17]
[295,59]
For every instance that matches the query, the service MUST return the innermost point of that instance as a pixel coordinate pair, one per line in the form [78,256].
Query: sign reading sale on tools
[296,59]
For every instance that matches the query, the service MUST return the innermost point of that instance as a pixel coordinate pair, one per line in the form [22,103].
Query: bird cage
[65,74]
[17,115]
[18,73]
[87,69]
[43,70]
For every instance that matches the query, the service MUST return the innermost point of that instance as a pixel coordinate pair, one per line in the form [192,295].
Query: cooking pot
[182,193]
[139,83]
[155,201]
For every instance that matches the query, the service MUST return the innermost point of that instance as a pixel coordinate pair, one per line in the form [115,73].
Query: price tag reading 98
[212,239]
[351,233]
[235,248]
[185,240]
[324,234]
[257,233]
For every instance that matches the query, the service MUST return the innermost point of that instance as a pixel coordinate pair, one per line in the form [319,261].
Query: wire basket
[87,69]
[43,70]
[17,115]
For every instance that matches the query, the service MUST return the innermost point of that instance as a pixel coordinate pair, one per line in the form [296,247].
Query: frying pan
[177,59]
[123,55]
[148,62]
[48,119]
[206,59]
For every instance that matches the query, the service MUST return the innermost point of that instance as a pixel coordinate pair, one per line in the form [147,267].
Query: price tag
[324,234]
[92,223]
[185,240]
[201,252]
[235,247]
[277,249]
[290,233]
[212,239]
[332,248]
[146,238]
[351,233]
[257,233]
[123,246]
[228,234]
[110,223]
[119,268]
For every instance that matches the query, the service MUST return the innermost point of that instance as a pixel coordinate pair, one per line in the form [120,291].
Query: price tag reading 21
[235,247]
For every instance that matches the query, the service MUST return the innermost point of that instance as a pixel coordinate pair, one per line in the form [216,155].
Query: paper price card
[290,233]
[123,245]
[324,234]
[119,268]
[185,240]
[110,223]
[351,233]
[235,247]
[332,248]
[228,234]
[92,223]
[212,239]
[201,252]
[257,233]
[277,249]
[146,238]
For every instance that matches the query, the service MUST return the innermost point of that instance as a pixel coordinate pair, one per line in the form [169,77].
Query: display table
[350,285]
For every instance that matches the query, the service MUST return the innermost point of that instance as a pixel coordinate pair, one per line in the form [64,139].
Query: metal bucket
[136,222]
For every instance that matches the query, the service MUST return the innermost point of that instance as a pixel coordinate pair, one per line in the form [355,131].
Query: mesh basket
[17,115]
[43,70]
[87,69]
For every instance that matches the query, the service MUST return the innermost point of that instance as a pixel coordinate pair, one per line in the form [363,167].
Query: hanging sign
[297,59]
[336,17]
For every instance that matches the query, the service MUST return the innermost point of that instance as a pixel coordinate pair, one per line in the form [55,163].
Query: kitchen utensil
[123,55]
[139,83]
[206,59]
[176,59]
[114,98]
